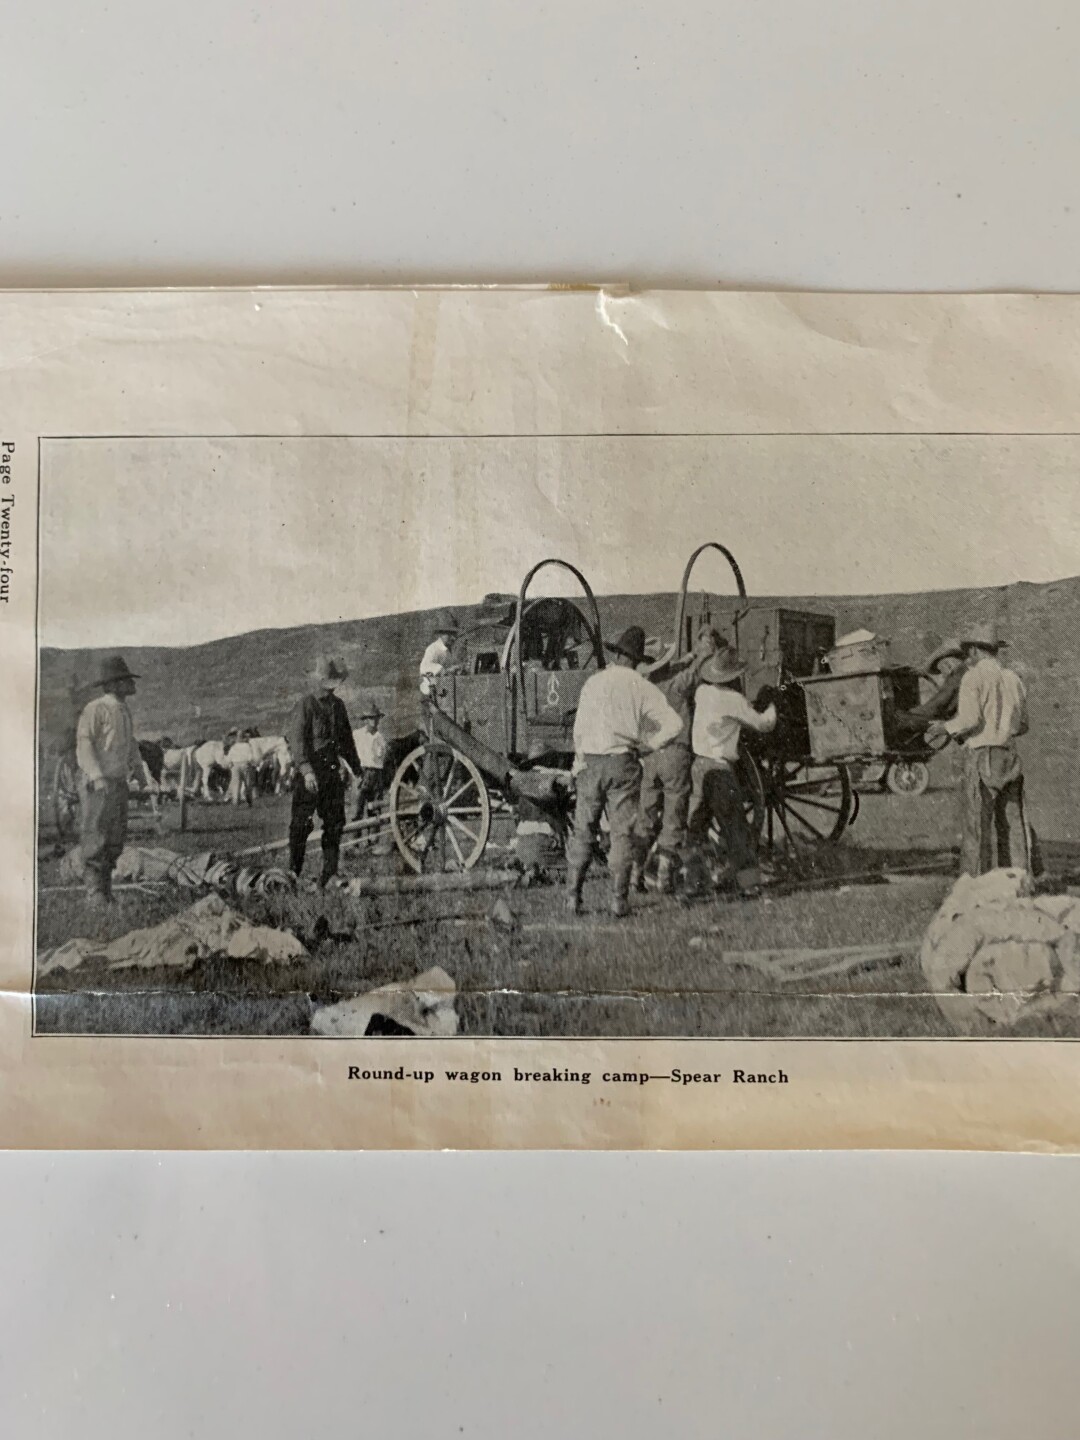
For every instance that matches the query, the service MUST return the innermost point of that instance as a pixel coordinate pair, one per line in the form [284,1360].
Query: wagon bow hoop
[593,625]
[680,606]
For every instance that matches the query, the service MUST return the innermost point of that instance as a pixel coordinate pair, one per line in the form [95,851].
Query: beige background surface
[797,1296]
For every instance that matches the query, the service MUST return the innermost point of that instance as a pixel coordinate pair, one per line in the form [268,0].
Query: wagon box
[853,716]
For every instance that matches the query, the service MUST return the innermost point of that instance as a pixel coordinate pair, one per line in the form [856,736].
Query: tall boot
[665,873]
[97,894]
[297,850]
[695,877]
[620,892]
[575,880]
[637,866]
[329,863]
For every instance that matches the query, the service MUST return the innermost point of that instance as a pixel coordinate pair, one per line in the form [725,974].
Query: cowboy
[320,738]
[944,670]
[991,713]
[371,748]
[620,716]
[665,773]
[721,713]
[107,754]
[436,659]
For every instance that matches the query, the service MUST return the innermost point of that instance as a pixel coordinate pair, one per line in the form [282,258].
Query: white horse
[172,764]
[205,756]
[240,759]
[273,750]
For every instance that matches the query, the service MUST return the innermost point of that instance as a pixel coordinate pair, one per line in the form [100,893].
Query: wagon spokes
[435,789]
[813,805]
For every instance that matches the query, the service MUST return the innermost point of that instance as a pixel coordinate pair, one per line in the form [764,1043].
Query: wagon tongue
[539,784]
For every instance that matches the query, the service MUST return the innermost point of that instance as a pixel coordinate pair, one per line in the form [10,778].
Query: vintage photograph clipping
[540,718]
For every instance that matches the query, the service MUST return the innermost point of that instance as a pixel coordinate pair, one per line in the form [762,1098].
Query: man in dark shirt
[320,737]
[944,669]
[666,773]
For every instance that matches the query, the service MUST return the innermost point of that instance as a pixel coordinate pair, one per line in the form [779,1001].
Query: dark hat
[721,669]
[445,624]
[370,712]
[630,643]
[497,610]
[113,669]
[329,670]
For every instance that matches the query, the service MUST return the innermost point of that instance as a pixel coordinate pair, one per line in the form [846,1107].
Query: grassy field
[665,971]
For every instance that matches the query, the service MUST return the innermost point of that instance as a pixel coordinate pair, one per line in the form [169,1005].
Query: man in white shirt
[437,656]
[371,748]
[721,713]
[991,713]
[620,717]
[107,755]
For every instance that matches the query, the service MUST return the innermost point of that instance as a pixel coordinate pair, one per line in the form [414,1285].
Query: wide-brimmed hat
[950,647]
[721,669]
[630,643]
[984,635]
[113,669]
[497,609]
[329,670]
[446,624]
[370,712]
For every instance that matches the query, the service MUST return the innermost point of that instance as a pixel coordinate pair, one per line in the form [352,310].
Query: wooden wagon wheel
[65,798]
[806,804]
[908,777]
[440,809]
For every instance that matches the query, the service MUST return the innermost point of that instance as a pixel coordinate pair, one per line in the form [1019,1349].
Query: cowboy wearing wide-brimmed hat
[935,663]
[721,713]
[497,610]
[437,657]
[107,755]
[620,716]
[630,645]
[944,669]
[371,747]
[983,637]
[991,714]
[666,773]
[320,738]
[722,669]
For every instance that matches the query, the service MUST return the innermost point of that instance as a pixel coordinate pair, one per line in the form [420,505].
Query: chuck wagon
[798,781]
[499,731]
[500,728]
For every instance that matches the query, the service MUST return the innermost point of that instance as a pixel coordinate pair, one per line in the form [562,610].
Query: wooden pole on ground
[371,823]
[438,882]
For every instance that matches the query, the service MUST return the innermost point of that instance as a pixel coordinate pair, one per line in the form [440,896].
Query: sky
[174,542]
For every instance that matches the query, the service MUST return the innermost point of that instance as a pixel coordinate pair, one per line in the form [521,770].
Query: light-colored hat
[329,670]
[985,636]
[947,648]
[722,669]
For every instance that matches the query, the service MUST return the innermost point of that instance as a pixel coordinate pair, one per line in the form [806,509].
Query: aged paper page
[530,718]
